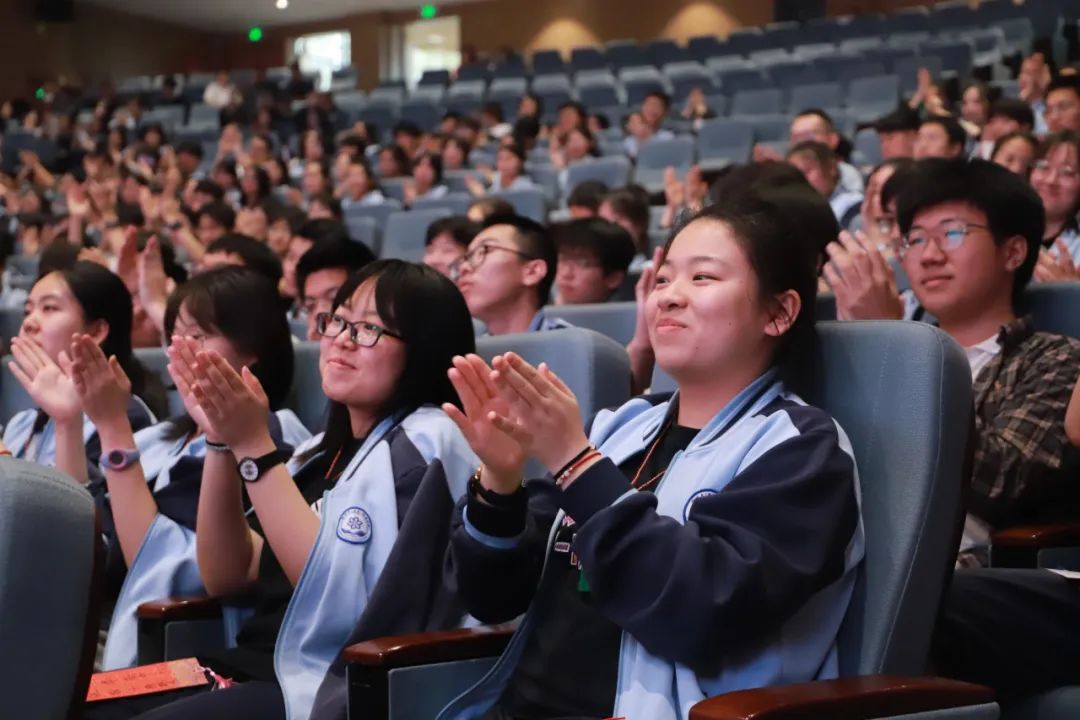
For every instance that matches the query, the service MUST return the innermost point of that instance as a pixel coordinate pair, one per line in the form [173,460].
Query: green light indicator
[428,11]
[255,34]
[40,93]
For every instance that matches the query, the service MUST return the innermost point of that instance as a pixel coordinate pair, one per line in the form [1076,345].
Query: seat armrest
[1038,536]
[430,647]
[857,698]
[180,608]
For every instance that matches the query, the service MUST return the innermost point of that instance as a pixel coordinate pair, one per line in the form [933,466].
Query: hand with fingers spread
[862,280]
[181,369]
[481,404]
[235,405]
[640,347]
[127,260]
[48,383]
[101,384]
[544,416]
[1056,269]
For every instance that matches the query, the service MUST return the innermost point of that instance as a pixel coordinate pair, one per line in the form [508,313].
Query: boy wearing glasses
[507,274]
[970,233]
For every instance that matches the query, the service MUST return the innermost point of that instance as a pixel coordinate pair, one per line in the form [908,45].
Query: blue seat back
[1053,307]
[615,320]
[306,397]
[405,233]
[529,202]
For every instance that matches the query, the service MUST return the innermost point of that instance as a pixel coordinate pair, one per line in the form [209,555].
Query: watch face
[249,470]
[116,459]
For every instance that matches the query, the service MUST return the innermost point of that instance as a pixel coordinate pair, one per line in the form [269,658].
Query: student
[594,258]
[237,249]
[692,544]
[897,132]
[507,274]
[483,208]
[384,476]
[1055,176]
[875,220]
[311,232]
[322,271]
[1016,152]
[939,137]
[509,173]
[816,124]
[360,188]
[1007,116]
[393,162]
[446,242]
[970,235]
[585,199]
[1063,105]
[820,166]
[427,179]
[628,207]
[81,299]
[152,476]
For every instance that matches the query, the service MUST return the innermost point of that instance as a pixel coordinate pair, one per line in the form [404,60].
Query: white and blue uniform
[165,565]
[735,573]
[376,566]
[845,206]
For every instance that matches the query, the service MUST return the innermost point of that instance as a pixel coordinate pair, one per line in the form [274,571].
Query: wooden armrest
[857,698]
[430,647]
[1038,536]
[180,608]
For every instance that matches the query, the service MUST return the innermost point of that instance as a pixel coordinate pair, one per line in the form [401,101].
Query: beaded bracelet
[570,472]
[574,460]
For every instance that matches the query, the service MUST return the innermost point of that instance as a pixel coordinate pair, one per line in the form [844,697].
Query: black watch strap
[251,469]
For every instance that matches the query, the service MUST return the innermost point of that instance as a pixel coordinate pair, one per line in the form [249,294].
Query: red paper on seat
[146,680]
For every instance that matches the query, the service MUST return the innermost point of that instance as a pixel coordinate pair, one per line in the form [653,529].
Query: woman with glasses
[347,538]
[1056,178]
[688,545]
[152,476]
[877,222]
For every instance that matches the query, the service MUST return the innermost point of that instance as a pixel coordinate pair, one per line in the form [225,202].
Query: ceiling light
[282,4]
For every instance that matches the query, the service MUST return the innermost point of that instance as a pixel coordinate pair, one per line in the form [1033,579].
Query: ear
[612,281]
[98,331]
[1014,252]
[533,272]
[783,313]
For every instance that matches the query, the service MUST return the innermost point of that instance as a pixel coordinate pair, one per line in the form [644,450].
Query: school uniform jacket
[735,573]
[166,565]
[376,566]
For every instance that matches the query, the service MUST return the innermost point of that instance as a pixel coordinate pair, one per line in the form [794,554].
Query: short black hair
[660,95]
[276,212]
[435,160]
[1016,110]
[1065,82]
[323,230]
[211,188]
[220,212]
[952,129]
[328,201]
[535,242]
[253,253]
[818,112]
[634,206]
[404,166]
[493,109]
[408,128]
[903,119]
[588,194]
[609,243]
[331,255]
[461,229]
[895,184]
[491,206]
[355,142]
[515,149]
[576,106]
[129,215]
[820,152]
[1024,135]
[1011,206]
[187,147]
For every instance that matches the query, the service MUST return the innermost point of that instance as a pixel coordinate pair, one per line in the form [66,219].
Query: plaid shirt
[1024,469]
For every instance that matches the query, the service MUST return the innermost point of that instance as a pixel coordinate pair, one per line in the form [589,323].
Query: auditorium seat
[616,320]
[405,233]
[722,142]
[658,154]
[612,171]
[306,397]
[896,415]
[51,561]
[363,229]
[456,202]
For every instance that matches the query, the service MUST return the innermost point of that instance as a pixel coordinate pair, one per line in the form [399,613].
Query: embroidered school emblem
[354,526]
[693,498]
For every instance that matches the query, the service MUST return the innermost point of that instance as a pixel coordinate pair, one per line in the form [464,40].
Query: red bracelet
[6,452]
[572,470]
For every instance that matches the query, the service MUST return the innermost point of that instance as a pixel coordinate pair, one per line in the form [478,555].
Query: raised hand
[48,383]
[127,260]
[503,457]
[153,285]
[235,404]
[862,280]
[1054,269]
[102,386]
[544,416]
[181,367]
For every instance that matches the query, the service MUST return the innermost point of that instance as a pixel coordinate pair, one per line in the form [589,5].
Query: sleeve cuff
[595,489]
[501,522]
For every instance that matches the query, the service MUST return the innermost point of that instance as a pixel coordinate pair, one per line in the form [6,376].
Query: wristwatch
[119,459]
[251,469]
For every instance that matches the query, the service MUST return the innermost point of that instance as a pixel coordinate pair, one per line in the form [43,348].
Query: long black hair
[104,297]
[240,304]
[429,313]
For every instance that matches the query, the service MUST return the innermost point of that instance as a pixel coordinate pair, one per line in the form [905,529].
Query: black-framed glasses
[476,257]
[361,332]
[948,235]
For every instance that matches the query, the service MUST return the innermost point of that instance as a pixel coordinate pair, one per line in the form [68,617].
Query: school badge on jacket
[354,526]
